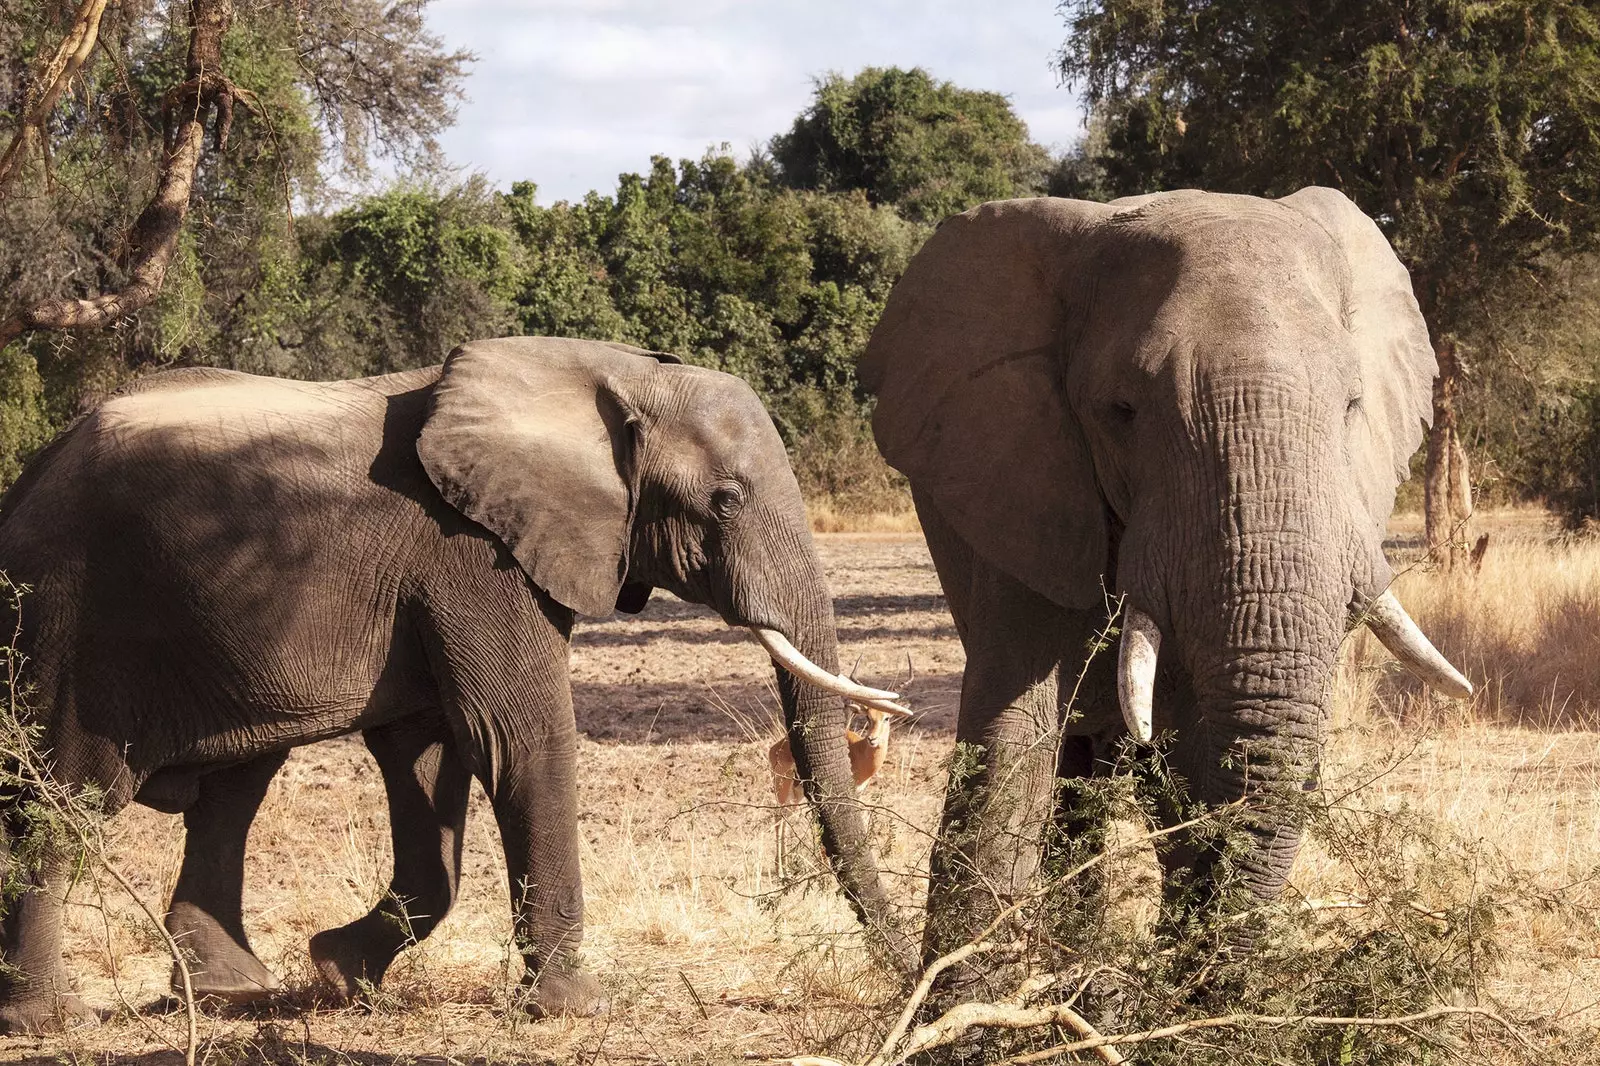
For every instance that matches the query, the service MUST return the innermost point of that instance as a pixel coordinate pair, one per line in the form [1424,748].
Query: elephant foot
[346,960]
[563,991]
[237,982]
[221,964]
[45,1014]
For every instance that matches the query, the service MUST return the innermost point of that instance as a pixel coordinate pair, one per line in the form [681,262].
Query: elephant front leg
[533,790]
[206,916]
[997,802]
[428,791]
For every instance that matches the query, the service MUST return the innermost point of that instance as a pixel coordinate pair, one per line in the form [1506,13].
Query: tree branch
[50,82]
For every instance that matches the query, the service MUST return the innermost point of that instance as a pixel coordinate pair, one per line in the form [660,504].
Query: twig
[925,985]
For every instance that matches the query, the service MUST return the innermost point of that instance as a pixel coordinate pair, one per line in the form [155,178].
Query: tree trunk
[1448,484]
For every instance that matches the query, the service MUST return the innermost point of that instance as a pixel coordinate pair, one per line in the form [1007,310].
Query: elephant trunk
[817,720]
[1254,601]
[1260,659]
[781,594]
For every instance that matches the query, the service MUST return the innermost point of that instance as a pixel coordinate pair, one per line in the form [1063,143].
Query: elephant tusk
[789,657]
[1395,629]
[1136,672]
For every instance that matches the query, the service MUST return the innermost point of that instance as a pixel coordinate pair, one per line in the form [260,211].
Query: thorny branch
[68,809]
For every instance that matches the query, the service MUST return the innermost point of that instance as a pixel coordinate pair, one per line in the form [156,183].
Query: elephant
[1198,407]
[222,567]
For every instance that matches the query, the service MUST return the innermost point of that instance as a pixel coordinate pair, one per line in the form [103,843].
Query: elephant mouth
[786,655]
[1141,647]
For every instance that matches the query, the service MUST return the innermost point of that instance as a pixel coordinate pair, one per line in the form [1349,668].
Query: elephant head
[1200,402]
[667,476]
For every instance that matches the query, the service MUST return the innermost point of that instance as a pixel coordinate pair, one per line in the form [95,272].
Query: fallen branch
[1237,1020]
[960,1020]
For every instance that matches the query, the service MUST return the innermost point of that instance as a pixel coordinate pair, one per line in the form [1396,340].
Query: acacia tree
[151,152]
[1469,129]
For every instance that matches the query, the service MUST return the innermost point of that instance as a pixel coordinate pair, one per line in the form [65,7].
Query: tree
[155,194]
[1470,129]
[926,147]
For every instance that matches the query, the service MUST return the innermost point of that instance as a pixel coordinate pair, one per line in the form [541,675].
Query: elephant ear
[967,365]
[1391,338]
[537,440]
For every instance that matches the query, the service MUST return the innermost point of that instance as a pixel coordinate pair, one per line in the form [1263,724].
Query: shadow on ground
[857,617]
[645,713]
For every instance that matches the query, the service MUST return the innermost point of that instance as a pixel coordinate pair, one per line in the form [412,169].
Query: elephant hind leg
[34,994]
[428,790]
[206,916]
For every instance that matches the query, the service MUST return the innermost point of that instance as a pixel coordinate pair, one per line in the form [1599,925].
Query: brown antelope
[867,754]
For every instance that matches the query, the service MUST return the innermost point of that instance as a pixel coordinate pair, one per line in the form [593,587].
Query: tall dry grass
[1525,630]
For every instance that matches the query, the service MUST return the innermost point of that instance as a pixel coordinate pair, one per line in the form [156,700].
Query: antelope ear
[537,439]
[967,365]
[1398,364]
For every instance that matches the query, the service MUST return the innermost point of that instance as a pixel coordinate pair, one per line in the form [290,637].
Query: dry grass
[828,516]
[709,959]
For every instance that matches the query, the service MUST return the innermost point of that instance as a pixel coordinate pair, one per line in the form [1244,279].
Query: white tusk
[1395,629]
[1136,672]
[788,656]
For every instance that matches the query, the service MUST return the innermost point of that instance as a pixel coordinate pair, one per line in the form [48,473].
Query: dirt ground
[705,955]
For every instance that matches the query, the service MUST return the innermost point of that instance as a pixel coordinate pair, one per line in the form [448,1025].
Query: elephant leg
[534,795]
[34,994]
[206,917]
[1007,731]
[511,714]
[428,791]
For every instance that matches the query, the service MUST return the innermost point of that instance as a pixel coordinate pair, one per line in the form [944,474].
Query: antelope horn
[1395,629]
[1136,672]
[788,656]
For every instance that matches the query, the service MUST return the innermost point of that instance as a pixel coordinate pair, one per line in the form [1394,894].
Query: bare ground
[706,956]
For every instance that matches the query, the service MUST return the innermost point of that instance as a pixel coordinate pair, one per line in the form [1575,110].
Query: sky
[571,93]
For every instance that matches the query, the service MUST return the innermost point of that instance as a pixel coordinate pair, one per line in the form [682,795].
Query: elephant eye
[727,500]
[1352,408]
[1123,411]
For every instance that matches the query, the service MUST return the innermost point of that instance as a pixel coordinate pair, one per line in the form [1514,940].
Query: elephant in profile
[223,567]
[1195,405]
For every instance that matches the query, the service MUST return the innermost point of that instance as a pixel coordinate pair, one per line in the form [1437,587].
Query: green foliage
[1422,930]
[1532,401]
[1469,129]
[24,423]
[929,148]
[713,262]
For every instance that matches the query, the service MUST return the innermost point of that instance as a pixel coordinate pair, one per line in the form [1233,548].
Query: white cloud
[570,93]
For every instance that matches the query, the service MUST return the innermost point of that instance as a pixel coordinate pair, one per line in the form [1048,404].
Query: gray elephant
[1199,403]
[224,567]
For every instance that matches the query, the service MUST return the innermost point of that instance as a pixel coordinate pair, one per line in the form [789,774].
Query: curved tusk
[788,656]
[1136,672]
[1395,629]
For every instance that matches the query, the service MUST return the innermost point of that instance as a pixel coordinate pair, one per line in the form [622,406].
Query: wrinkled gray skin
[1200,402]
[225,567]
